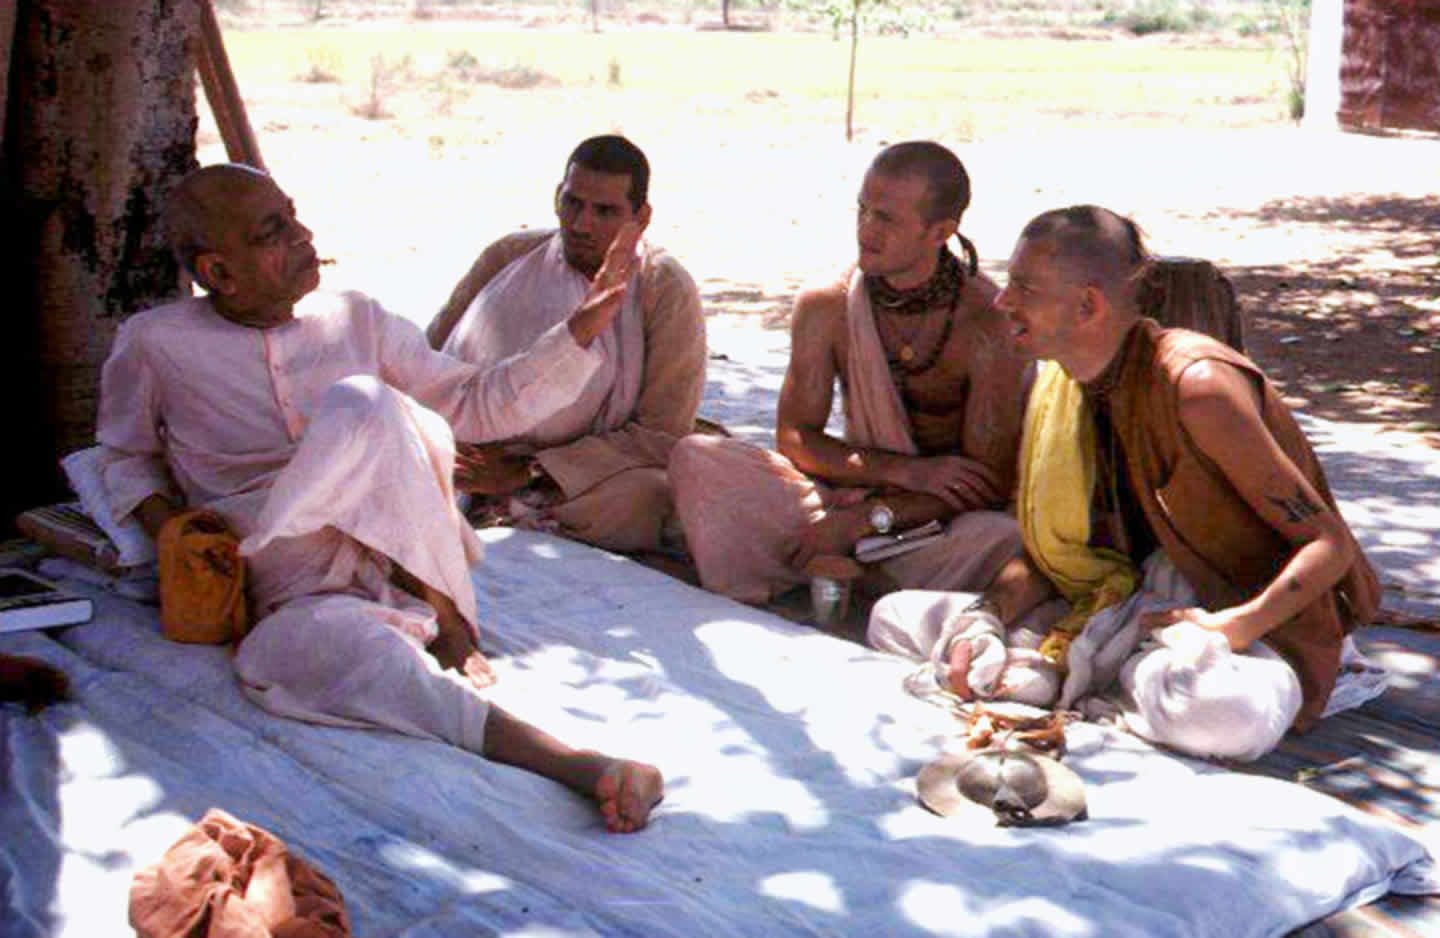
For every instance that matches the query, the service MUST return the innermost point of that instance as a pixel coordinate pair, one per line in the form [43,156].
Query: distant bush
[1158,18]
[384,76]
[322,66]
[463,64]
[461,60]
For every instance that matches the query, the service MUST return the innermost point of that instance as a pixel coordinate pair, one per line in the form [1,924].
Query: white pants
[369,486]
[334,660]
[1186,689]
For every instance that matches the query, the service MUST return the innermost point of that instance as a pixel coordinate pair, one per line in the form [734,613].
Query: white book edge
[43,605]
[883,546]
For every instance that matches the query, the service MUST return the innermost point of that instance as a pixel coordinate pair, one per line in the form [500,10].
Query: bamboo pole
[223,94]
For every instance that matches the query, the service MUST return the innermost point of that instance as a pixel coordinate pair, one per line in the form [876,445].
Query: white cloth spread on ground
[536,292]
[741,505]
[790,808]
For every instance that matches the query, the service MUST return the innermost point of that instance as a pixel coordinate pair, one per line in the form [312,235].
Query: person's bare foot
[960,652]
[626,792]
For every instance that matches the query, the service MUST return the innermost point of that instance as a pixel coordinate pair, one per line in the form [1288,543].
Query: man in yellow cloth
[932,395]
[593,470]
[1169,497]
[318,426]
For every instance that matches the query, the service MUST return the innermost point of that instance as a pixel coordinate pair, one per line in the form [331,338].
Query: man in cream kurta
[595,468]
[318,427]
[933,399]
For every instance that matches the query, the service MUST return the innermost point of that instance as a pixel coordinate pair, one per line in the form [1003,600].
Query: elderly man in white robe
[318,426]
[595,470]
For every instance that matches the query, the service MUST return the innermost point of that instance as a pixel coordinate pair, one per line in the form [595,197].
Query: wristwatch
[882,519]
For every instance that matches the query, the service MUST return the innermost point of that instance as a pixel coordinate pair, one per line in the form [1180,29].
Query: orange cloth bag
[202,580]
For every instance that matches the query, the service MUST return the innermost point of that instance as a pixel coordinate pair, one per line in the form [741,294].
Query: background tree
[101,107]
[1293,19]
[852,15]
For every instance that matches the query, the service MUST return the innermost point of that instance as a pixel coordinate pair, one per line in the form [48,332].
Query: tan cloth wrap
[228,879]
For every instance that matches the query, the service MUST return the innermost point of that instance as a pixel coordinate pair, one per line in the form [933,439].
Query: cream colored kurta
[608,448]
[741,505]
[326,443]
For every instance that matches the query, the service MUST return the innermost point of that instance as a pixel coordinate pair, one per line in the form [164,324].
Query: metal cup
[829,600]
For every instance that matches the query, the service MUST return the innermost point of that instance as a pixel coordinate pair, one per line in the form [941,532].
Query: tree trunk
[102,124]
[725,13]
[8,9]
[850,85]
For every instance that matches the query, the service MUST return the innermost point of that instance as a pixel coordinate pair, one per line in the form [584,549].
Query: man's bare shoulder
[1209,386]
[978,301]
[822,300]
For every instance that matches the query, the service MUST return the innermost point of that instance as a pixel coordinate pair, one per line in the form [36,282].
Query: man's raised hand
[607,290]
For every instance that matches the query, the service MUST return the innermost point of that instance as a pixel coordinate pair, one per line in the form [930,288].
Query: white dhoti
[1183,687]
[337,642]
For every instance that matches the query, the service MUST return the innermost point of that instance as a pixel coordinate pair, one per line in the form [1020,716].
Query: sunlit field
[966,88]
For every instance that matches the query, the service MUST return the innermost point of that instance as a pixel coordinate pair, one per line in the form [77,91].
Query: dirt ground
[1330,239]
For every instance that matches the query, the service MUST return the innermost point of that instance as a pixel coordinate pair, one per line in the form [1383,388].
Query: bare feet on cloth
[626,792]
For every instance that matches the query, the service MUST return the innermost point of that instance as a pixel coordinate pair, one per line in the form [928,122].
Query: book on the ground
[882,546]
[28,601]
[69,532]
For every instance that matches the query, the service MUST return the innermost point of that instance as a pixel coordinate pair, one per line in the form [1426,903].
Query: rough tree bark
[101,123]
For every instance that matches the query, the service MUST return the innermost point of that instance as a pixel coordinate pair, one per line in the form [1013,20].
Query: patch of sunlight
[817,890]
[563,664]
[915,821]
[937,907]
[86,750]
[742,786]
[96,804]
[545,550]
[414,858]
[1406,538]
[945,909]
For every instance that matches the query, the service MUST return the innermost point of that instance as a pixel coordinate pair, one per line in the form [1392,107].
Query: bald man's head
[236,231]
[1095,246]
[200,210]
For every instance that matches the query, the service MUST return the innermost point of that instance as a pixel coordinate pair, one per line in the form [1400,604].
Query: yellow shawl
[1057,480]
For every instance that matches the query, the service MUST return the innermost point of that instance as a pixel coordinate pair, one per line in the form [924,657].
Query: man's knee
[689,458]
[357,399]
[1230,706]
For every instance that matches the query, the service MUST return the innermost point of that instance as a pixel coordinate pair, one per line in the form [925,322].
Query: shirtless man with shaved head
[933,396]
[318,427]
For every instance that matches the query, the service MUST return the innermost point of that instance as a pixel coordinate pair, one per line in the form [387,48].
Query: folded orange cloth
[202,580]
[229,879]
